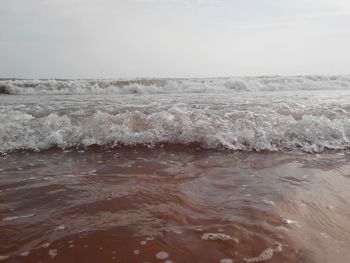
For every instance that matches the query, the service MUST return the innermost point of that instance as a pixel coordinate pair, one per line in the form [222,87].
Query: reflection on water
[174,204]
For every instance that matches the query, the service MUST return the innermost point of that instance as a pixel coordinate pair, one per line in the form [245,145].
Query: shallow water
[183,204]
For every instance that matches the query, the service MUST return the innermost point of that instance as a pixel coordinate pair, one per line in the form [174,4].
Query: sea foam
[305,113]
[236,130]
[152,86]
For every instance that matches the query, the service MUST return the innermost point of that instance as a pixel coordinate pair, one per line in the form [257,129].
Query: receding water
[182,204]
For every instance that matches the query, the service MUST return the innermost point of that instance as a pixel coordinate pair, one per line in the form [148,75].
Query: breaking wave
[154,86]
[213,129]
[240,114]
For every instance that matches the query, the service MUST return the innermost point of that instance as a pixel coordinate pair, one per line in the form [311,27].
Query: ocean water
[249,169]
[309,113]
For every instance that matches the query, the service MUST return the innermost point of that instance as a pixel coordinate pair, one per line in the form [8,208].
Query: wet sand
[174,204]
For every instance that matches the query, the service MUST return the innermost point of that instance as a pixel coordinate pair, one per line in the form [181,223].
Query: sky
[173,38]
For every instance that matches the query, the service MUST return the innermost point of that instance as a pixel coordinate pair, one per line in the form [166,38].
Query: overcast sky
[173,38]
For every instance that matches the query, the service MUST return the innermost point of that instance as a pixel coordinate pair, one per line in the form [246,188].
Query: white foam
[226,260]
[10,218]
[60,228]
[266,254]
[53,252]
[218,117]
[236,131]
[268,202]
[325,235]
[48,178]
[289,221]
[216,236]
[157,86]
[282,229]
[45,245]
[24,253]
[162,255]
[277,247]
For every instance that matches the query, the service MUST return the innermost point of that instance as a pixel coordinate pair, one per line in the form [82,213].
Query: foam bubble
[60,228]
[24,253]
[289,221]
[226,260]
[48,178]
[277,247]
[162,255]
[266,254]
[45,245]
[268,202]
[216,236]
[53,253]
[325,235]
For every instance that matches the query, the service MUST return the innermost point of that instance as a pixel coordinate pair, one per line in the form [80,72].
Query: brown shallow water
[130,204]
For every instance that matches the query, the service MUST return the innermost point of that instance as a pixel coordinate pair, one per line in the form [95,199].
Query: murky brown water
[174,205]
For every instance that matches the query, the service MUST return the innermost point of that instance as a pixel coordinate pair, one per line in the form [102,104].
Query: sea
[234,169]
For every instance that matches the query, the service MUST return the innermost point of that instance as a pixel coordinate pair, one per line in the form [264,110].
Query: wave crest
[237,130]
[151,86]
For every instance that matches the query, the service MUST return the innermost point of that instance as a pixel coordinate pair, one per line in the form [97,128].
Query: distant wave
[212,129]
[154,86]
